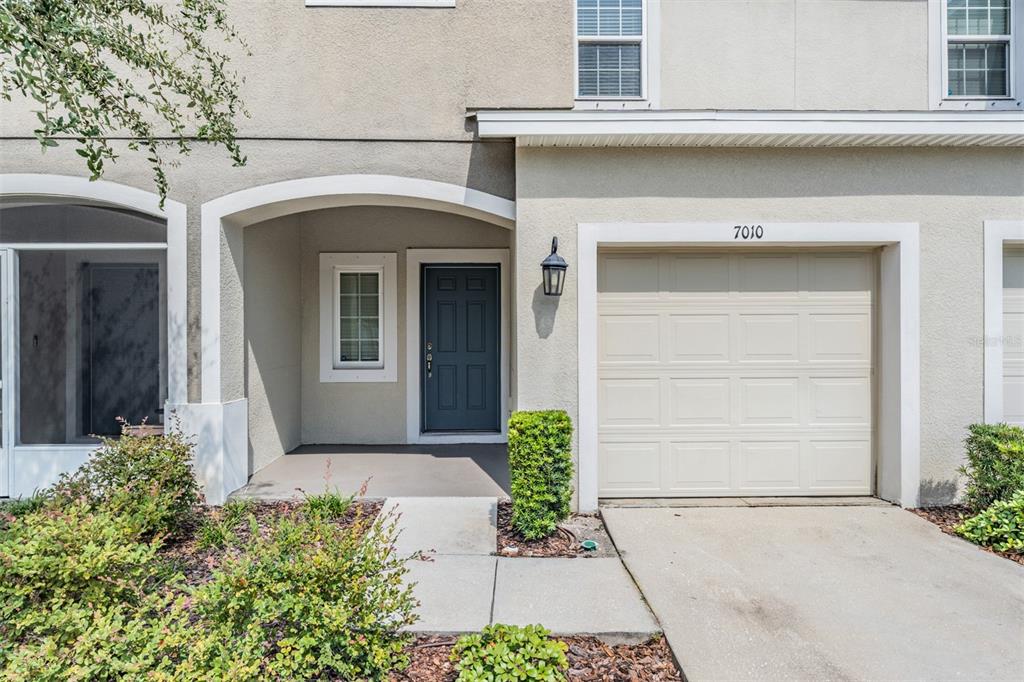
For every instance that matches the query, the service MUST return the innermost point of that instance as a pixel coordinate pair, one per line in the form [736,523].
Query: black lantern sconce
[554,267]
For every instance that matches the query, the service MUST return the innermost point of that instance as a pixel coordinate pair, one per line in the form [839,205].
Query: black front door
[460,352]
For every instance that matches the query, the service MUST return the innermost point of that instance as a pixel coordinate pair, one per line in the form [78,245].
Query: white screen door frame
[6,372]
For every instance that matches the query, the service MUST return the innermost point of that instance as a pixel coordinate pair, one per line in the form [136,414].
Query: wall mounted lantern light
[554,267]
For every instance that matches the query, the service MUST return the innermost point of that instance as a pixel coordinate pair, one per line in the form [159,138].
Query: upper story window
[978,50]
[611,49]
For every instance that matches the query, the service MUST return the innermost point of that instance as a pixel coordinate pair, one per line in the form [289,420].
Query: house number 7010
[748,231]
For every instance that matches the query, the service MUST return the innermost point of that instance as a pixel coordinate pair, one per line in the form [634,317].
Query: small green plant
[329,505]
[1000,526]
[540,471]
[307,599]
[150,476]
[20,506]
[218,530]
[995,464]
[509,652]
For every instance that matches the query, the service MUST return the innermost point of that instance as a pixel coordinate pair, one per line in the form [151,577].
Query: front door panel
[459,348]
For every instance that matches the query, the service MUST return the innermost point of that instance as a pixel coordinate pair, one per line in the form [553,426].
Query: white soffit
[563,128]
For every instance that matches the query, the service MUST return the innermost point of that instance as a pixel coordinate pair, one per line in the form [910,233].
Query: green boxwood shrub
[995,464]
[540,471]
[149,477]
[1000,526]
[510,652]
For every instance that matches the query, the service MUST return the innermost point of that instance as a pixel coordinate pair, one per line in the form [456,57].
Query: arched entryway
[311,316]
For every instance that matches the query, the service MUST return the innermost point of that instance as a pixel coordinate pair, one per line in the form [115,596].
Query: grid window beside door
[610,49]
[359,295]
[979,46]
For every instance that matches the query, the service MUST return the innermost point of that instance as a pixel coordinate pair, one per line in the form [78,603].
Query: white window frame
[650,73]
[938,63]
[331,266]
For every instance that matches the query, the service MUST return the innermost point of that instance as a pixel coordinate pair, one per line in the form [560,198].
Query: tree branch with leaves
[141,70]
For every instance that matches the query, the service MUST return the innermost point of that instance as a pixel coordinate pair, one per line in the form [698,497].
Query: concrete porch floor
[464,470]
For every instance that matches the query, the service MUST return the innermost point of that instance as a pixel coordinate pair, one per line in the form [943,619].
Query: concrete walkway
[462,586]
[823,593]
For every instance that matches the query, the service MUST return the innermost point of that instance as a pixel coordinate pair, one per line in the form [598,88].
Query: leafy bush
[20,506]
[306,600]
[74,583]
[218,529]
[995,464]
[329,505]
[510,652]
[1000,526]
[148,477]
[540,469]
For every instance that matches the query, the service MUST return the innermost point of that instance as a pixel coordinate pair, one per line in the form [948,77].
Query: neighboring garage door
[1013,335]
[735,373]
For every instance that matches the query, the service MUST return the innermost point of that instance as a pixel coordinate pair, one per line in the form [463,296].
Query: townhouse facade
[793,232]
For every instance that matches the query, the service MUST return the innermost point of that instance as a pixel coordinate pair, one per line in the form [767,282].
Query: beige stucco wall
[386,72]
[949,192]
[794,54]
[288,404]
[273,319]
[207,174]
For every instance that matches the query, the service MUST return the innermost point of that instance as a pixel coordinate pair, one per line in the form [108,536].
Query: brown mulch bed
[564,543]
[950,516]
[198,564]
[590,660]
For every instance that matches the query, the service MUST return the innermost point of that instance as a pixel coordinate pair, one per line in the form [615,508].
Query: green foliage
[1000,526]
[307,600]
[540,469]
[144,70]
[218,529]
[80,595]
[148,478]
[995,464]
[329,505]
[12,509]
[510,652]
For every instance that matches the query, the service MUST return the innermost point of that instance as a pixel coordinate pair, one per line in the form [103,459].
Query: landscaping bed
[948,517]
[198,562]
[590,660]
[564,543]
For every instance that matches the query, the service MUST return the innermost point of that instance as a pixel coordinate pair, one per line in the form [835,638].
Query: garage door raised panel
[735,373]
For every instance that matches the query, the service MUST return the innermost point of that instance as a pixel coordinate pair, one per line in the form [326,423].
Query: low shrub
[307,599]
[540,471]
[510,652]
[20,506]
[74,585]
[329,505]
[1000,526]
[149,477]
[218,529]
[995,464]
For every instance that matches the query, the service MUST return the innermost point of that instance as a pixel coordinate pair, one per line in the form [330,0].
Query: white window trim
[380,3]
[938,73]
[998,234]
[898,432]
[331,265]
[650,63]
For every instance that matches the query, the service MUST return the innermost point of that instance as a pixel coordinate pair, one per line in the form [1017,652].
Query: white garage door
[1013,335]
[735,373]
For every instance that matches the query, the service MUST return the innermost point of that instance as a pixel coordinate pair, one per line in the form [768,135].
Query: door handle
[430,359]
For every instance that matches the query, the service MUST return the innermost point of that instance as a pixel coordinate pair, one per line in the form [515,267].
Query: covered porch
[454,470]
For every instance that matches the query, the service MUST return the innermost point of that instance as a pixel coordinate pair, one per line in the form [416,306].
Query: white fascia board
[742,124]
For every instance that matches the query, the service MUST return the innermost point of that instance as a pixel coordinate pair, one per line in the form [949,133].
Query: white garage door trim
[898,424]
[998,234]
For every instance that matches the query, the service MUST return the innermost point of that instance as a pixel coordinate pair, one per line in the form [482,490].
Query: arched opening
[311,317]
[93,320]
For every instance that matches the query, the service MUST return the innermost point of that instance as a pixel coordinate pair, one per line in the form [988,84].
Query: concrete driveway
[823,593]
